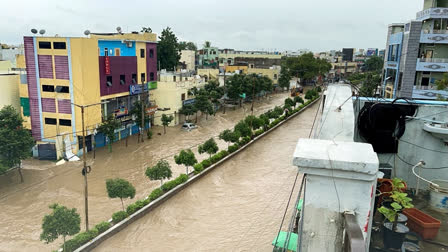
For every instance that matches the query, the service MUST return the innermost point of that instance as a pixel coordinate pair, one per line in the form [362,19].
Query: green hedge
[103,226]
[134,207]
[198,168]
[258,132]
[167,186]
[232,148]
[80,239]
[119,216]
[155,194]
[206,163]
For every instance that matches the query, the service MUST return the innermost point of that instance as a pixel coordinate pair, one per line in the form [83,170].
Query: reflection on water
[236,207]
[22,206]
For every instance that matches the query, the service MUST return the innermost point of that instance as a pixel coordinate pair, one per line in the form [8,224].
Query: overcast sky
[318,25]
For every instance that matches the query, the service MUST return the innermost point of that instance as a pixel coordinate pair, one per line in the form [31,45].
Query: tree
[187,110]
[298,99]
[253,122]
[374,64]
[61,222]
[203,103]
[136,112]
[442,84]
[207,44]
[168,55]
[120,188]
[186,157]
[265,119]
[369,85]
[166,120]
[161,171]
[108,129]
[209,147]
[15,141]
[229,136]
[183,45]
[243,128]
[289,102]
[146,30]
[285,78]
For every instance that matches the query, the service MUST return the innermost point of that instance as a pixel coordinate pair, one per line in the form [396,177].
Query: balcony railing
[432,13]
[432,64]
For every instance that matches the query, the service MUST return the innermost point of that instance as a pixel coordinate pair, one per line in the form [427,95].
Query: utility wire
[422,167]
[416,145]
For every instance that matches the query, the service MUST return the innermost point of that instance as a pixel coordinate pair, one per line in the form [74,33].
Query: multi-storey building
[417,52]
[209,57]
[106,73]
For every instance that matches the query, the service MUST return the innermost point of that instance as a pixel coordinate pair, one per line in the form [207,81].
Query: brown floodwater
[23,205]
[236,207]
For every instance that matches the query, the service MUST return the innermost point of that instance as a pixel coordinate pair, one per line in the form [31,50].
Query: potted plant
[394,230]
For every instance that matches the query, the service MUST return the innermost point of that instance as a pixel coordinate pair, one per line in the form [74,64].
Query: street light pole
[85,168]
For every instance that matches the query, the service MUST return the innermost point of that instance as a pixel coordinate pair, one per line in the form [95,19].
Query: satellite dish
[42,32]
[34,31]
[87,32]
[119,29]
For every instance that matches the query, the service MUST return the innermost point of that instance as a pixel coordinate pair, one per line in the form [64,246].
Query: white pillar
[340,177]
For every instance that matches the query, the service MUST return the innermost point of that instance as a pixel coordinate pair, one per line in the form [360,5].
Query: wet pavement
[23,205]
[236,207]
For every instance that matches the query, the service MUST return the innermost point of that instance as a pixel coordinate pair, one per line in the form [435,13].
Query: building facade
[417,52]
[106,72]
[188,60]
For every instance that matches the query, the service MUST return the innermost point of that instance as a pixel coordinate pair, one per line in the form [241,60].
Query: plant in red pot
[394,231]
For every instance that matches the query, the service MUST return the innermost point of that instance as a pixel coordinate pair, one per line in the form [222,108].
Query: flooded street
[236,207]
[251,186]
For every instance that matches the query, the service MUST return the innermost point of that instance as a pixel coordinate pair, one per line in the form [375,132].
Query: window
[47,88]
[59,45]
[142,53]
[106,52]
[64,122]
[122,79]
[183,97]
[151,76]
[109,81]
[62,89]
[44,45]
[134,78]
[151,53]
[143,77]
[275,76]
[117,51]
[51,121]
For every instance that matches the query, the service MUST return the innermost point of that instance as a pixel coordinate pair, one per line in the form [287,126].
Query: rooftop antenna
[34,31]
[87,33]
[119,29]
[42,32]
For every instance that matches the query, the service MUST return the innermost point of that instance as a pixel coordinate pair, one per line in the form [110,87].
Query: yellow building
[105,73]
[5,66]
[272,73]
[187,59]
[9,94]
[237,68]
[208,73]
[172,93]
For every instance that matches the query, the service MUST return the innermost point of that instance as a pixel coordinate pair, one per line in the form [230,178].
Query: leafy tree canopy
[209,147]
[243,128]
[61,222]
[162,170]
[168,54]
[183,45]
[374,64]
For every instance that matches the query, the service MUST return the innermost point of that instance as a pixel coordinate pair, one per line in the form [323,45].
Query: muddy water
[22,206]
[236,207]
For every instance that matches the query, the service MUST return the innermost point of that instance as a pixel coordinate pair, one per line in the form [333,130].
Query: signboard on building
[137,89]
[372,52]
[120,112]
[189,101]
[107,64]
[151,110]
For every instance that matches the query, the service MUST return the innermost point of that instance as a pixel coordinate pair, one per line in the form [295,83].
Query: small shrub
[182,178]
[259,132]
[132,208]
[319,89]
[149,134]
[223,153]
[119,216]
[215,158]
[103,226]
[206,163]
[156,193]
[167,186]
[147,201]
[232,148]
[81,239]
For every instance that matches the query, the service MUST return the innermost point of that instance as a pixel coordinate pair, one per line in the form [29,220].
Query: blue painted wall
[124,50]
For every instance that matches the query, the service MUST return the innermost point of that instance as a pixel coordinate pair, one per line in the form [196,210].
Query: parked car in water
[189,126]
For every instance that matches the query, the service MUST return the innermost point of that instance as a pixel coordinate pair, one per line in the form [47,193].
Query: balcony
[432,64]
[435,36]
[432,13]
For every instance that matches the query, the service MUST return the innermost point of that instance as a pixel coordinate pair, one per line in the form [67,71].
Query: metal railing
[353,238]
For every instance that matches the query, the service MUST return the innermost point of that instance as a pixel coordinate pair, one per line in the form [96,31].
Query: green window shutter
[25,103]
